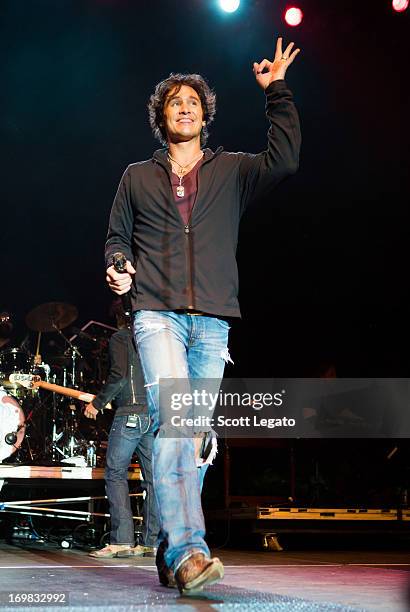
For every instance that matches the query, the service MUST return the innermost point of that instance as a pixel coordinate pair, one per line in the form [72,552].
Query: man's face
[183,115]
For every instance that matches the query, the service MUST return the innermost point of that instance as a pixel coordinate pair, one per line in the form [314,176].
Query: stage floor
[294,581]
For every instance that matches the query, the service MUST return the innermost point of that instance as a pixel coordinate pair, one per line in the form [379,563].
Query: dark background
[323,264]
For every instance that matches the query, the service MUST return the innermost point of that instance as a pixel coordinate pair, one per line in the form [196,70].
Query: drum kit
[41,402]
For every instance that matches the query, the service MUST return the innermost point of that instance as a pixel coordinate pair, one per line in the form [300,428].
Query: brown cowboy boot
[198,571]
[165,574]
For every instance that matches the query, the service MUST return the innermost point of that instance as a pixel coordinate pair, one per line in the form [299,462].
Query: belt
[191,313]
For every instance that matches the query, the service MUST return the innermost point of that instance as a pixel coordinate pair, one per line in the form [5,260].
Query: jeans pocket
[224,324]
[144,424]
[117,425]
[148,322]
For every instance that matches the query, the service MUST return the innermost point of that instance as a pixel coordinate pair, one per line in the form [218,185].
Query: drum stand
[66,444]
[74,354]
[24,452]
[54,436]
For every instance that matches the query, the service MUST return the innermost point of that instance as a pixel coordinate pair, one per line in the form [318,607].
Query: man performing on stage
[176,217]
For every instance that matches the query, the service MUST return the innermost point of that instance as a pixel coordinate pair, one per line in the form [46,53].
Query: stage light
[293,16]
[229,6]
[400,5]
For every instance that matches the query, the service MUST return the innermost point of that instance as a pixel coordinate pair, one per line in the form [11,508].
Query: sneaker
[110,551]
[196,572]
[165,574]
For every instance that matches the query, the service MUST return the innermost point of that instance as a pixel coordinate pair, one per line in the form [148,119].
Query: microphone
[119,261]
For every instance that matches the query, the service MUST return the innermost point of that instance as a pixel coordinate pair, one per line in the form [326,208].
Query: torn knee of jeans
[226,356]
[153,326]
[157,379]
[206,452]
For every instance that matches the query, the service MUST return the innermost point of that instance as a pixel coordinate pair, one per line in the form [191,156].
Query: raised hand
[266,72]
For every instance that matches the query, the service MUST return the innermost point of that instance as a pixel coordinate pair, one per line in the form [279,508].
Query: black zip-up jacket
[125,382]
[193,266]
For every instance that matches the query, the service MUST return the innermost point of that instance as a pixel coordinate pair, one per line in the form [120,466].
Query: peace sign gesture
[277,69]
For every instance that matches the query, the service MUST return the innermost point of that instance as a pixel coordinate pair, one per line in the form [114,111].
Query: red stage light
[400,5]
[293,16]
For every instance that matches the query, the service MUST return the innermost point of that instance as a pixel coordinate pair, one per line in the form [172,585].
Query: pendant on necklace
[180,191]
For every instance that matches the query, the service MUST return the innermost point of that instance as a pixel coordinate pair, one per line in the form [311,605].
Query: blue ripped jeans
[174,345]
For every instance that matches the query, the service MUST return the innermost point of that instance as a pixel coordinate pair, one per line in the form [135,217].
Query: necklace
[181,173]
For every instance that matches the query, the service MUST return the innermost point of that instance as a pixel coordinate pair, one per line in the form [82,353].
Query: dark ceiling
[323,263]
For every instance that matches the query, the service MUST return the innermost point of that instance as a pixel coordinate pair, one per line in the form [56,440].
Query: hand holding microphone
[120,278]
[120,281]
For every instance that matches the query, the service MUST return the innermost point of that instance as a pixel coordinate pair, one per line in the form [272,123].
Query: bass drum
[12,425]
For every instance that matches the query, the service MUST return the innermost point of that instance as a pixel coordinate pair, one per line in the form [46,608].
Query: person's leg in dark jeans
[122,442]
[150,510]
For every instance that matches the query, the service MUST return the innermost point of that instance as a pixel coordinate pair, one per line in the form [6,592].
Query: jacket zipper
[187,230]
[188,250]
[132,385]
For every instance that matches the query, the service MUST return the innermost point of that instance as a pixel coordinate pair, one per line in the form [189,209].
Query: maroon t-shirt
[190,185]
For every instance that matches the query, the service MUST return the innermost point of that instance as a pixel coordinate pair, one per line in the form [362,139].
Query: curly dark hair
[176,81]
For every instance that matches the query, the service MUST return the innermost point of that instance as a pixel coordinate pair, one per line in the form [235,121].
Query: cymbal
[60,360]
[47,317]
